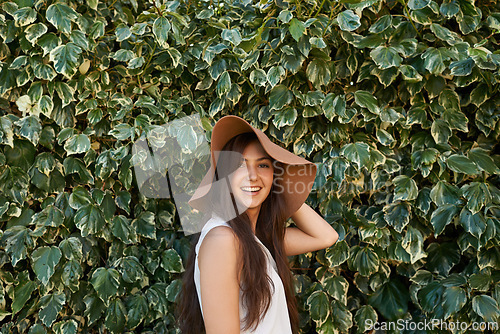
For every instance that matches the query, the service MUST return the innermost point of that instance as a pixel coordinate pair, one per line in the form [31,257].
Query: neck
[253,214]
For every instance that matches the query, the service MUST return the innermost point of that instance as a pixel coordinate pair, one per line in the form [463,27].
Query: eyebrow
[260,159]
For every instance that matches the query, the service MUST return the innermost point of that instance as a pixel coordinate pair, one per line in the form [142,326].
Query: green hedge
[397,102]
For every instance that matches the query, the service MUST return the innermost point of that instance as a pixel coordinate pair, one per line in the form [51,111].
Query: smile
[251,189]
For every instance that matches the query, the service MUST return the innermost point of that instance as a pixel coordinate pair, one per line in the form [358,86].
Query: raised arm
[219,281]
[312,232]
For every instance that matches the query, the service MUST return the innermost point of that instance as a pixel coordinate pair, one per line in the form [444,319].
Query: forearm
[311,223]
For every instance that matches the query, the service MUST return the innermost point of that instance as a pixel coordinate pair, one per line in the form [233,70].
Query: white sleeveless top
[276,320]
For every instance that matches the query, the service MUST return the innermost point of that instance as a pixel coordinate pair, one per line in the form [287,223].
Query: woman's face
[252,181]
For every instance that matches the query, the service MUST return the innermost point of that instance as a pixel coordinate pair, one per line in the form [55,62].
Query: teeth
[250,188]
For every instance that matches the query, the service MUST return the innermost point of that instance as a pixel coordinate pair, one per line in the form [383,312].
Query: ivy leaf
[461,164]
[319,306]
[258,77]
[45,260]
[137,307]
[123,200]
[65,59]
[275,75]
[405,188]
[50,216]
[342,318]
[442,216]
[223,84]
[456,119]
[454,298]
[14,184]
[486,307]
[65,327]
[30,128]
[297,29]
[358,153]
[22,291]
[285,16]
[161,27]
[409,73]
[94,308]
[171,261]
[71,248]
[60,15]
[386,57]
[24,16]
[348,20]
[338,253]
[105,282]
[462,67]
[418,4]
[477,195]
[279,97]
[122,32]
[286,116]
[130,268]
[444,193]
[16,240]
[391,300]
[442,257]
[397,215]
[366,100]
[365,315]
[334,106]
[318,73]
[145,225]
[50,306]
[231,35]
[475,224]
[336,286]
[434,60]
[121,228]
[74,165]
[449,8]
[481,158]
[89,219]
[365,261]
[430,296]
[35,31]
[116,316]
[173,290]
[77,144]
[440,131]
[381,25]
[79,198]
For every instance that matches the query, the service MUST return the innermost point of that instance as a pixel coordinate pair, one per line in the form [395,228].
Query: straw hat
[298,173]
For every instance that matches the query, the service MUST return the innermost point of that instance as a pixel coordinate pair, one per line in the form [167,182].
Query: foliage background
[397,101]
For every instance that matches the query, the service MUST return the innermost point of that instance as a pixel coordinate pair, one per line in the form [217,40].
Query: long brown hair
[255,284]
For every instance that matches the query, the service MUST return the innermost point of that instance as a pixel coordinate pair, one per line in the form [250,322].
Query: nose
[251,173]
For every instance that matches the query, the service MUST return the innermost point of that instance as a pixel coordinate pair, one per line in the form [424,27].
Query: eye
[264,166]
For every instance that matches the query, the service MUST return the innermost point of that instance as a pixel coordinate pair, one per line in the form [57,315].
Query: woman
[237,278]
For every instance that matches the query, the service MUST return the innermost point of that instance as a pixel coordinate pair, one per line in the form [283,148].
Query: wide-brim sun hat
[297,178]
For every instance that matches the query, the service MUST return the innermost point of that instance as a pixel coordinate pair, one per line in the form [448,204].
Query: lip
[251,193]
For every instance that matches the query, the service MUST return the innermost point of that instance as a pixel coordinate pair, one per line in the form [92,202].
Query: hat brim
[297,176]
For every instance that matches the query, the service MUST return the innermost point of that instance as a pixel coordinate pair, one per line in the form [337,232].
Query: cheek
[237,177]
[268,177]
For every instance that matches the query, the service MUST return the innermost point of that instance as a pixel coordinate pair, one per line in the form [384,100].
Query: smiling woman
[238,279]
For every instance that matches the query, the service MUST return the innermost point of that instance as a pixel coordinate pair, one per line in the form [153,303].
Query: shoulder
[219,251]
[219,238]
